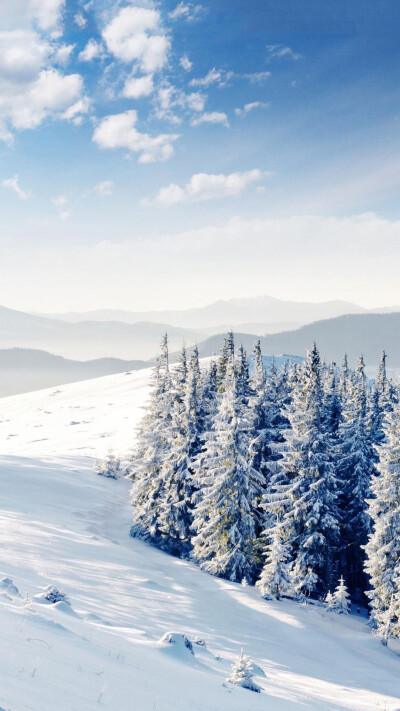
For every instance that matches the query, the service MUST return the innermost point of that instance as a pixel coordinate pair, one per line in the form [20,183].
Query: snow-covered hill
[62,525]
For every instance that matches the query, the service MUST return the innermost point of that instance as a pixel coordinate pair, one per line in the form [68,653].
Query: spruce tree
[308,498]
[153,446]
[224,520]
[383,547]
[341,599]
[242,673]
[356,469]
[275,577]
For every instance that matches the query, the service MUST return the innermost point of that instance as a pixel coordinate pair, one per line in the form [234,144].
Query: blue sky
[166,154]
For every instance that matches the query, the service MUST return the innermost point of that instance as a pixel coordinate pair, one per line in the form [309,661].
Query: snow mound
[7,586]
[178,644]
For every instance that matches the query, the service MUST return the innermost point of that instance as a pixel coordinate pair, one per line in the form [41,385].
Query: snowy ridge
[62,525]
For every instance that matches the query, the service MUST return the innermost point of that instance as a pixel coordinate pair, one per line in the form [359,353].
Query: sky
[168,154]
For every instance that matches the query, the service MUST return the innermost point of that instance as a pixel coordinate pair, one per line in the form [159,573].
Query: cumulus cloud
[135,35]
[186,11]
[13,183]
[136,87]
[279,51]
[247,108]
[212,117]
[31,89]
[206,186]
[92,50]
[169,100]
[47,13]
[104,188]
[119,131]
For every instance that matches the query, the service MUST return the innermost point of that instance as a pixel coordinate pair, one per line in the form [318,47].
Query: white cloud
[186,11]
[119,131]
[63,53]
[91,51]
[46,12]
[214,76]
[13,183]
[104,188]
[60,203]
[279,51]
[185,63]
[135,35]
[212,117]
[136,87]
[75,112]
[169,100]
[80,20]
[257,77]
[31,89]
[205,186]
[247,108]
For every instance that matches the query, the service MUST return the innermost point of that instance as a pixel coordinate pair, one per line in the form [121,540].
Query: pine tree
[341,599]
[110,467]
[224,519]
[383,547]
[275,577]
[356,469]
[152,447]
[226,354]
[175,512]
[329,601]
[242,673]
[309,489]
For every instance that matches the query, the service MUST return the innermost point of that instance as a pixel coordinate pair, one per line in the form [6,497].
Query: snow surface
[118,644]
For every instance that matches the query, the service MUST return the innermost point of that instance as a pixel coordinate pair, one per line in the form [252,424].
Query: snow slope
[62,525]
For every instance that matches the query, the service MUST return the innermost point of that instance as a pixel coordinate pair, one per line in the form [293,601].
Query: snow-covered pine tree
[226,354]
[341,599]
[383,398]
[308,493]
[383,547]
[329,601]
[356,469]
[153,444]
[242,673]
[110,466]
[175,511]
[224,520]
[275,577]
[344,377]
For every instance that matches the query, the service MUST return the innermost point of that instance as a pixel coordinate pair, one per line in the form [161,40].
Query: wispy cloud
[214,76]
[206,186]
[279,51]
[60,203]
[106,187]
[211,117]
[247,108]
[186,11]
[185,63]
[13,183]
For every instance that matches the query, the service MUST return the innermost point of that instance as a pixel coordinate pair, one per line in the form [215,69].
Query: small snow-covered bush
[110,467]
[341,599]
[242,673]
[53,595]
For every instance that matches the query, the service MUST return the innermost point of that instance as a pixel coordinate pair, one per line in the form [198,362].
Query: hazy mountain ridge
[260,309]
[88,339]
[354,334]
[24,370]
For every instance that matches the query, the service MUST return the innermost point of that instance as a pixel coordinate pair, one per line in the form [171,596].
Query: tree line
[288,479]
